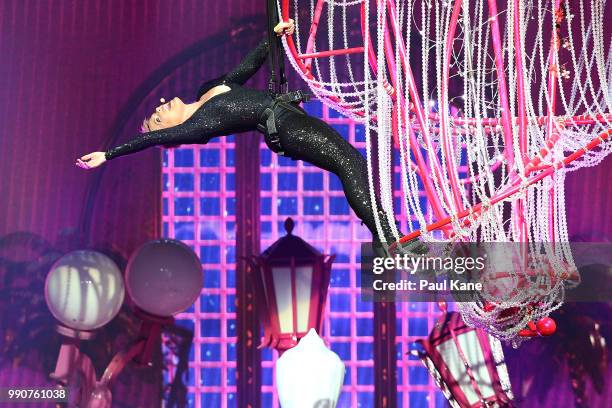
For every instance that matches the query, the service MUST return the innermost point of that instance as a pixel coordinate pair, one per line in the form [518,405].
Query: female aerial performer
[224,106]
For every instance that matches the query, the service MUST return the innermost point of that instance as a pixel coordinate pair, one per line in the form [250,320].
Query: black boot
[380,249]
[413,247]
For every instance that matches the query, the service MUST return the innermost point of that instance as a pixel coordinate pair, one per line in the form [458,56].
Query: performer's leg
[312,140]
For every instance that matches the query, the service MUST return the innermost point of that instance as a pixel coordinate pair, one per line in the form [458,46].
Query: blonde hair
[144,127]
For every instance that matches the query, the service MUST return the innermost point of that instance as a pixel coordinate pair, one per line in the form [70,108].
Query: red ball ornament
[546,326]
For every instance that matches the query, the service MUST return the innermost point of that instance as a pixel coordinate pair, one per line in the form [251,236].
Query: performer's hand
[91,160]
[285,28]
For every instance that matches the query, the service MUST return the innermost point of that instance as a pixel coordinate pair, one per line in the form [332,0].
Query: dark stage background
[67,70]
[76,77]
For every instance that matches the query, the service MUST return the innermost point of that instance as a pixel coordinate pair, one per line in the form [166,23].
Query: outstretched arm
[256,58]
[190,132]
[250,64]
[185,133]
[240,74]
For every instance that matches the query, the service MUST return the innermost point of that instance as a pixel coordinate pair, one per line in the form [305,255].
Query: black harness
[268,122]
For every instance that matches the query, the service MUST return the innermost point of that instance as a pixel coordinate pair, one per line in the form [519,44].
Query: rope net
[489,104]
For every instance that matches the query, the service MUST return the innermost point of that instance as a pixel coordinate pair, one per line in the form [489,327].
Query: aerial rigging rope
[276,85]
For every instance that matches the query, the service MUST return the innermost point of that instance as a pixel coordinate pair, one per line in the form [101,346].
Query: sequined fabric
[302,137]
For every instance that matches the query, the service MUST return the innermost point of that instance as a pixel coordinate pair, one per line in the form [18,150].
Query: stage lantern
[292,280]
[466,363]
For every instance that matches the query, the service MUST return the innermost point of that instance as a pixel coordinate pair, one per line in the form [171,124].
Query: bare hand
[285,28]
[91,160]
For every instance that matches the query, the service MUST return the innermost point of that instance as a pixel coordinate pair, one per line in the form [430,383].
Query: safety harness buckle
[267,122]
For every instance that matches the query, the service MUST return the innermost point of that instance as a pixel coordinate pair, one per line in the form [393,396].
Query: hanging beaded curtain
[520,92]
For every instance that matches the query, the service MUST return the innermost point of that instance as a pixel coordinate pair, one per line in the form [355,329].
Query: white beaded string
[581,69]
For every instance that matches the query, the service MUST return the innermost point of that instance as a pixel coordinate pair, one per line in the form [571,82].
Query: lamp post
[292,280]
[84,291]
[466,363]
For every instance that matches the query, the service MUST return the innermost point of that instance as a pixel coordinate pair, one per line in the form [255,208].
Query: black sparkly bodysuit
[302,137]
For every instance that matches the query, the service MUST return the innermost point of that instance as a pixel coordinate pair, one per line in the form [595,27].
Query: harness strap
[294,96]
[267,121]
[271,120]
[277,61]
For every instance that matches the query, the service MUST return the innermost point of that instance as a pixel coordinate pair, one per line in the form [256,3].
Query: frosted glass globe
[309,374]
[164,277]
[84,290]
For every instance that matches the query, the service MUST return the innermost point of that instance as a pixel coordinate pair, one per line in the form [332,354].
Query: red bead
[546,326]
[488,307]
[532,326]
[527,333]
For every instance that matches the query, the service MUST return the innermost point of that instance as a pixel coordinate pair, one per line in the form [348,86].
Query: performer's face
[169,114]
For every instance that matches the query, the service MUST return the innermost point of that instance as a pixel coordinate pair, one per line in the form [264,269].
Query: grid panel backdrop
[199,209]
[315,200]
[415,387]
